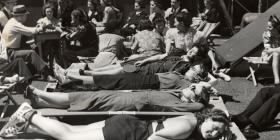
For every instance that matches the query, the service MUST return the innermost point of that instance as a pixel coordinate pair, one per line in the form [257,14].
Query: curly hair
[49,5]
[184,17]
[216,115]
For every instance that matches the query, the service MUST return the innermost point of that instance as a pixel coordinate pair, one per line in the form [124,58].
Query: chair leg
[253,76]
[7,102]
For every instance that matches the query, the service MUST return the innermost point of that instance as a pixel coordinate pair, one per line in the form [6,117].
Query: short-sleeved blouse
[184,41]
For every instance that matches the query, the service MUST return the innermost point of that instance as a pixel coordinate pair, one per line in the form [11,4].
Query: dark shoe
[28,93]
[250,133]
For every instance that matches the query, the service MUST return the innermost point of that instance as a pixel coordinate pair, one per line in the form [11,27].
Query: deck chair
[208,30]
[7,90]
[254,64]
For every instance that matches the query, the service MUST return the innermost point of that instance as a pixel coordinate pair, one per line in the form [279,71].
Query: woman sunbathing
[191,99]
[213,124]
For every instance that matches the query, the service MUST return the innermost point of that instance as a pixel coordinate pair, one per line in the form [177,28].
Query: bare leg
[114,71]
[63,131]
[85,79]
[109,67]
[54,99]
[275,67]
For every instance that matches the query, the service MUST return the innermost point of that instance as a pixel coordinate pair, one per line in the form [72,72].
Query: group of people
[160,57]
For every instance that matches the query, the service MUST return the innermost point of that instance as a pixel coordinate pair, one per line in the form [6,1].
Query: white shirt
[11,35]
[3,18]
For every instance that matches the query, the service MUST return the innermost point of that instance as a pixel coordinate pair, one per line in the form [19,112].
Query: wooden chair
[254,64]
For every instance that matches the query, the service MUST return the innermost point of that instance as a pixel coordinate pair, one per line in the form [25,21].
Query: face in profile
[212,129]
[179,25]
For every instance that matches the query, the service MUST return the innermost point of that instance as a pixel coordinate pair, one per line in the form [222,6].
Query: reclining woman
[213,124]
[191,99]
[126,81]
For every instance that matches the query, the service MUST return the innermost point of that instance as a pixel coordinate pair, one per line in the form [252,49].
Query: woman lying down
[211,125]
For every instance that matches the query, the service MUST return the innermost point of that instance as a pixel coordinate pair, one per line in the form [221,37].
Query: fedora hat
[19,10]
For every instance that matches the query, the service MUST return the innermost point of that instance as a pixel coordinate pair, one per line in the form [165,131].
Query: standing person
[134,18]
[172,12]
[111,19]
[50,47]
[211,125]
[5,13]
[82,39]
[13,39]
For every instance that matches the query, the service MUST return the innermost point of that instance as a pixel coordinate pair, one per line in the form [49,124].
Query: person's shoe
[17,122]
[250,133]
[60,74]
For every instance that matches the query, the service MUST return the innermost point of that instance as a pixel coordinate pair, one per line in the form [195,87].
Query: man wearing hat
[14,40]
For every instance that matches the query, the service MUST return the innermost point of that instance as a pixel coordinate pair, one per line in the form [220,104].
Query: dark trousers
[29,56]
[17,66]
[263,109]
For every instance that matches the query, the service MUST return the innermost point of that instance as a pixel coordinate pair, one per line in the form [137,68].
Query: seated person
[94,12]
[212,125]
[271,40]
[159,25]
[111,49]
[146,42]
[171,13]
[111,19]
[14,38]
[260,113]
[193,99]
[155,8]
[134,18]
[209,15]
[16,66]
[179,40]
[50,48]
[81,40]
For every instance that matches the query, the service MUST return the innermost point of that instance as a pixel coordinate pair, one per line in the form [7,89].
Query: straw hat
[19,10]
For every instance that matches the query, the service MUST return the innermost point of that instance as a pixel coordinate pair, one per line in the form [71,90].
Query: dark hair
[80,14]
[158,18]
[94,1]
[157,3]
[108,2]
[184,17]
[49,5]
[141,3]
[202,51]
[216,115]
[145,24]
[274,20]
